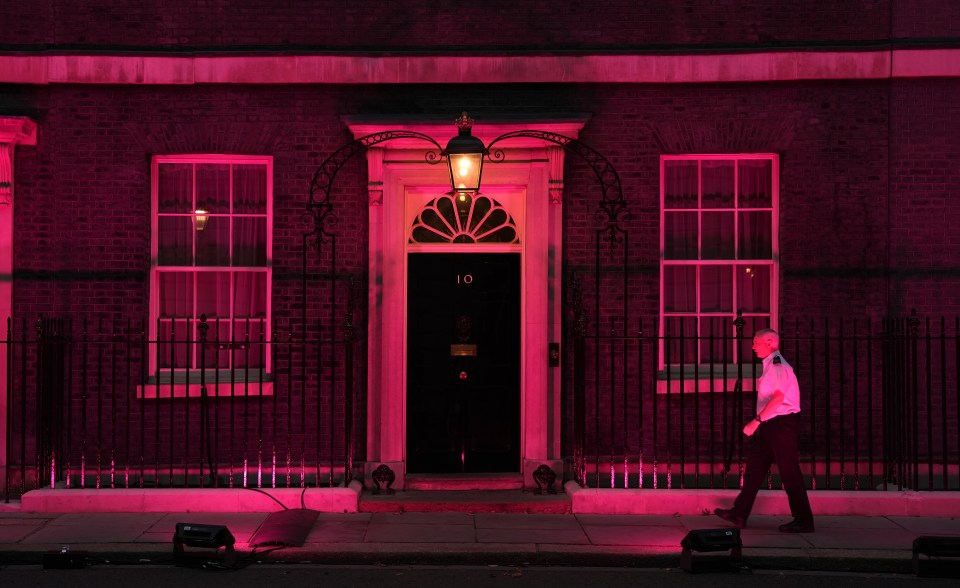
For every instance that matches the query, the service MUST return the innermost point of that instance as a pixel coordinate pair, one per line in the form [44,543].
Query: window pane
[680,235]
[219,352]
[213,242]
[756,238]
[172,344]
[213,294]
[716,341]
[756,183]
[490,230]
[716,288]
[717,235]
[235,195]
[250,241]
[753,288]
[481,207]
[733,199]
[221,330]
[176,294]
[250,189]
[175,240]
[680,183]
[717,184]
[680,333]
[679,288]
[174,187]
[423,235]
[250,294]
[213,187]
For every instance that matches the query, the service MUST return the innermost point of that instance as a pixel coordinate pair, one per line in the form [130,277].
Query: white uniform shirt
[778,376]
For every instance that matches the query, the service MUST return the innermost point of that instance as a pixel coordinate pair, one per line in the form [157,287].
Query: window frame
[773,263]
[158,384]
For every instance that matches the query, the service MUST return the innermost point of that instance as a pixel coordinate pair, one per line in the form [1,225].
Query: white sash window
[718,227]
[211,247]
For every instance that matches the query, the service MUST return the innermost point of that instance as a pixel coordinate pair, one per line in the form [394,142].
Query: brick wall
[83,192]
[869,169]
[83,209]
[457,25]
[925,197]
[925,19]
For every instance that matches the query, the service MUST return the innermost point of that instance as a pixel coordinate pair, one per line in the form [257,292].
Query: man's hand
[750,428]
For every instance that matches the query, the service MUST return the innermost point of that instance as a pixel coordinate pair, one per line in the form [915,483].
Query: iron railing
[100,404]
[880,405]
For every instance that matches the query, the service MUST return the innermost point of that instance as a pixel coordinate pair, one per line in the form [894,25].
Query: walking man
[776,427]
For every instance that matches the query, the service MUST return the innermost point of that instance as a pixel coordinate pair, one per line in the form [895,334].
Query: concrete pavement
[854,543]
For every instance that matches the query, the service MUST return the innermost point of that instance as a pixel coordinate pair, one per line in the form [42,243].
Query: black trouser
[775,441]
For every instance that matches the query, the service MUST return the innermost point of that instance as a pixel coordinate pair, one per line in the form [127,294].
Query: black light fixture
[936,557]
[201,535]
[464,155]
[712,540]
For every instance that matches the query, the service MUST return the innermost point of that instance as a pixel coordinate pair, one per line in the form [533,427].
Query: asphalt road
[309,576]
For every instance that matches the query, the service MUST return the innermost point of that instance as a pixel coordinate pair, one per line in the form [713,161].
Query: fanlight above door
[462,218]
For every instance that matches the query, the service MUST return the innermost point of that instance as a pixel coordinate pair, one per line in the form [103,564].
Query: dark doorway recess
[463,362]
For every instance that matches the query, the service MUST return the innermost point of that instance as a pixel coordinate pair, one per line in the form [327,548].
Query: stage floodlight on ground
[204,536]
[712,541]
[936,557]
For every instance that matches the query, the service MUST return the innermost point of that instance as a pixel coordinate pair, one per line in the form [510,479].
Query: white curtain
[680,183]
[755,183]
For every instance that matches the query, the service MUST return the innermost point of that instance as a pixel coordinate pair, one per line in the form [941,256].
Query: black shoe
[797,526]
[728,515]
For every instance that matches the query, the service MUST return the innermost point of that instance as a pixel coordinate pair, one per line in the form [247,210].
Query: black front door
[463,362]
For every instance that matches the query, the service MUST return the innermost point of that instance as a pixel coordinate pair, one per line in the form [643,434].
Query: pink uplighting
[247,262]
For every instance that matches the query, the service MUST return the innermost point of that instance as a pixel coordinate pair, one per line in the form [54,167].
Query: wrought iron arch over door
[534,167]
